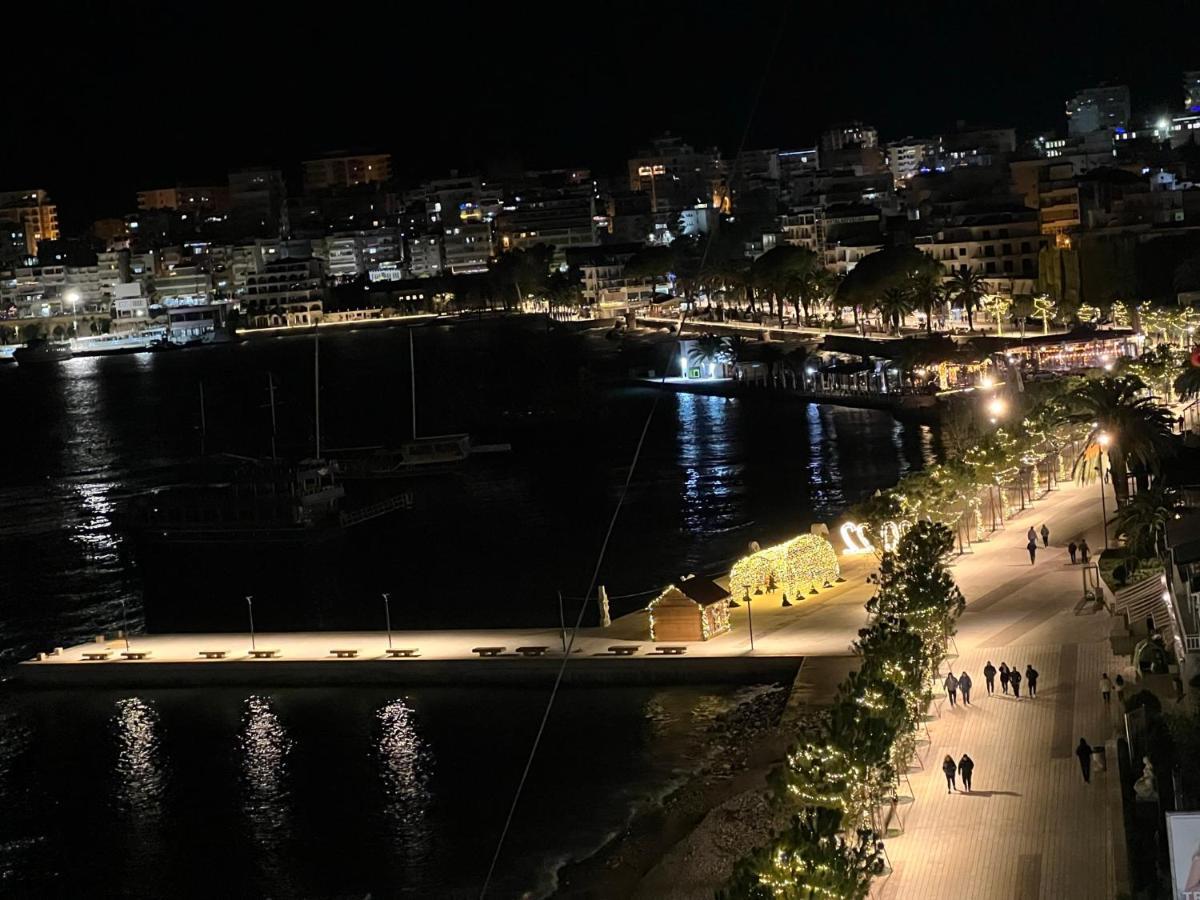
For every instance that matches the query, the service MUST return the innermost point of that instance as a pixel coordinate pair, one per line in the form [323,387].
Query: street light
[250,610]
[387,616]
[996,408]
[72,297]
[1103,440]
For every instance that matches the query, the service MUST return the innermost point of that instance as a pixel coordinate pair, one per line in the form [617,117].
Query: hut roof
[704,591]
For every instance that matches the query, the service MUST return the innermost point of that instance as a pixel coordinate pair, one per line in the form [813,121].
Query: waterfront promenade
[1031,828]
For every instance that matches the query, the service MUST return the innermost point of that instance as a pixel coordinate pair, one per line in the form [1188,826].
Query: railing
[1191,643]
[375,510]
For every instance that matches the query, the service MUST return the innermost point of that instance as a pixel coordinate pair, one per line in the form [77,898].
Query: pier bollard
[58,651]
[41,657]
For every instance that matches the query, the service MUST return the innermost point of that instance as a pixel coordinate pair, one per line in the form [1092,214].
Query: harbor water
[324,792]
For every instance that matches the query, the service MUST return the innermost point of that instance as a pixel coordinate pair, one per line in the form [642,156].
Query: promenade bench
[532,651]
[624,649]
[98,654]
[396,652]
[135,654]
[344,654]
[213,654]
[488,651]
[264,654]
[670,651]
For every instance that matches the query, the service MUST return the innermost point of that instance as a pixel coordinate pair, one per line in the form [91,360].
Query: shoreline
[687,844]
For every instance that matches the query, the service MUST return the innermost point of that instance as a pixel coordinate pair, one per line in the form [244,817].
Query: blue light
[1119,130]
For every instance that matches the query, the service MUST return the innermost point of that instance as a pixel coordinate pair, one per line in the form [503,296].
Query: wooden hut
[694,610]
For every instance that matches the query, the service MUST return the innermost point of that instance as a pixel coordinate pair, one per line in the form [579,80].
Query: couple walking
[954,685]
[1081,548]
[965,767]
[1032,546]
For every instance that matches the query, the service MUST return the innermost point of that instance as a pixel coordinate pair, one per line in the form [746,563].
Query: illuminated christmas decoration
[854,539]
[803,563]
[1043,308]
[697,609]
[1088,314]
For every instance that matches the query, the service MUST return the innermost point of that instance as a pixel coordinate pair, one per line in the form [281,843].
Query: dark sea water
[397,792]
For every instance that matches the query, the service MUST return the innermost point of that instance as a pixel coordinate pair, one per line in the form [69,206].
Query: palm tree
[893,305]
[709,350]
[925,288]
[1187,384]
[967,290]
[1143,521]
[1120,411]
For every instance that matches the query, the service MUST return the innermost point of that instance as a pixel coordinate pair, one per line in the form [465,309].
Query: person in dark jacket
[1014,678]
[951,686]
[1031,677]
[949,768]
[1032,548]
[1004,674]
[1045,535]
[1072,548]
[966,766]
[1085,551]
[989,677]
[1084,752]
[964,685]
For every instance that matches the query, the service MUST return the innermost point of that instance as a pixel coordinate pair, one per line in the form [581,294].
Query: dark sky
[151,94]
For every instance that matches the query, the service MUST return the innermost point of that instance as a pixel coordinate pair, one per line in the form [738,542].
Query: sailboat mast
[203,422]
[271,391]
[412,380]
[317,388]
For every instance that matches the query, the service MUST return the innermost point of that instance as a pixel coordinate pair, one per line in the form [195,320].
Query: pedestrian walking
[1106,687]
[1014,679]
[1032,548]
[1031,677]
[1084,752]
[1180,422]
[965,684]
[1004,675]
[949,768]
[1085,551]
[989,677]
[951,686]
[966,766]
[1045,535]
[1031,534]
[1119,685]
[1072,548]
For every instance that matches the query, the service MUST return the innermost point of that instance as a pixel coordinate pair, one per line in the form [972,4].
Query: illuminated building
[345,171]
[287,291]
[425,258]
[34,213]
[1103,108]
[205,200]
[468,247]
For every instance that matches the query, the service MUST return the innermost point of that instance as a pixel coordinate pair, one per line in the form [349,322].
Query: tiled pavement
[1031,828]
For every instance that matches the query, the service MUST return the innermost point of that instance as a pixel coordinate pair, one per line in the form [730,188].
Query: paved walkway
[1031,828]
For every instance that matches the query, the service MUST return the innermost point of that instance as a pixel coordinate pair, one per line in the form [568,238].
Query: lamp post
[750,616]
[72,297]
[250,611]
[387,617]
[124,623]
[1103,440]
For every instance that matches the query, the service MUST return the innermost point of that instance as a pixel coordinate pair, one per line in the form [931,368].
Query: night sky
[137,95]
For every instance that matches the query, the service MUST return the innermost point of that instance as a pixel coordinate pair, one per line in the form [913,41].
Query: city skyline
[487,99]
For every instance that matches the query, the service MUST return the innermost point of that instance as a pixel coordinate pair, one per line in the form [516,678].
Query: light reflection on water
[824,463]
[140,781]
[264,747]
[405,770]
[712,482]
